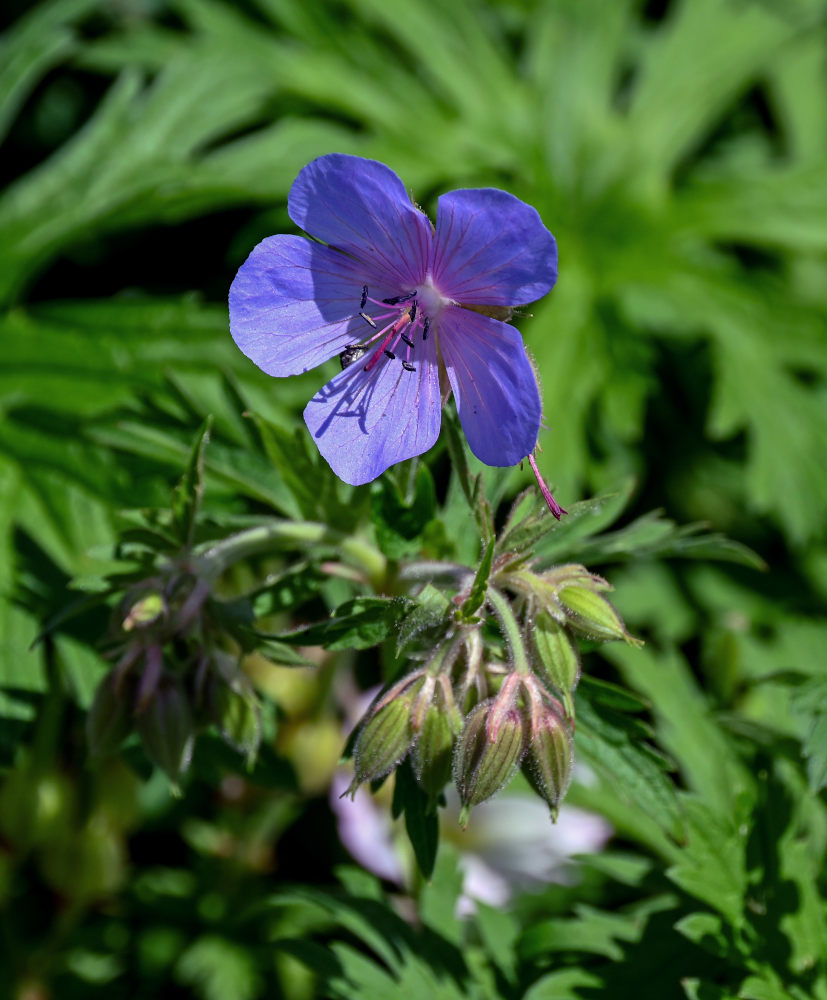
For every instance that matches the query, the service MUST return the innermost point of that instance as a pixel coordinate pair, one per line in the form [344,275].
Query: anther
[391,355]
[394,300]
[407,367]
[367,319]
[407,340]
[426,326]
[412,312]
[364,296]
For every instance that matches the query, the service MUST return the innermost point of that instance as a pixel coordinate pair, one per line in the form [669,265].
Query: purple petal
[295,303]
[494,385]
[361,206]
[364,422]
[492,249]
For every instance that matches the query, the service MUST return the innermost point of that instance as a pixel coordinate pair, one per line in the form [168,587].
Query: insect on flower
[408,308]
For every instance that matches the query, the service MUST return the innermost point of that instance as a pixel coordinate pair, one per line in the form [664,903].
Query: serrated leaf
[712,865]
[608,742]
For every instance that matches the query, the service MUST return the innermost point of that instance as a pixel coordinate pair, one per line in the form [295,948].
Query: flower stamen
[393,335]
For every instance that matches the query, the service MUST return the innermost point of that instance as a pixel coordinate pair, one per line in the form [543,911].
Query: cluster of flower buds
[472,714]
[171,676]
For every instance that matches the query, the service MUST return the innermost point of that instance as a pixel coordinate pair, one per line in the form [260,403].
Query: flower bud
[434,747]
[110,716]
[557,658]
[386,732]
[145,611]
[550,755]
[591,615]
[489,750]
[167,731]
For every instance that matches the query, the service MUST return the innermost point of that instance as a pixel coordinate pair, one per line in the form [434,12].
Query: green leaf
[358,624]
[186,497]
[239,469]
[564,984]
[712,865]
[472,486]
[708,932]
[810,704]
[217,969]
[439,897]
[421,821]
[530,528]
[697,989]
[652,536]
[430,613]
[304,474]
[592,931]
[34,44]
[612,744]
[400,521]
[479,588]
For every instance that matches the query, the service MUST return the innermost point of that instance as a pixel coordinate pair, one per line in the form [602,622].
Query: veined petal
[361,206]
[492,249]
[295,303]
[494,385]
[363,422]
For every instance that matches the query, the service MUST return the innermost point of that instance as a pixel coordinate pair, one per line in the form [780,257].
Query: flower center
[399,319]
[431,300]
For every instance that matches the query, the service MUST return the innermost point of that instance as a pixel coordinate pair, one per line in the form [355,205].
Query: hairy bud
[592,615]
[550,755]
[434,747]
[489,751]
[386,732]
[557,659]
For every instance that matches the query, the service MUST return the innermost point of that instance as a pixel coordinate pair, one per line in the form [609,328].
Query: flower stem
[511,631]
[277,534]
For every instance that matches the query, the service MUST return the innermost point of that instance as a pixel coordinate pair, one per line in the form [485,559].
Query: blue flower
[407,307]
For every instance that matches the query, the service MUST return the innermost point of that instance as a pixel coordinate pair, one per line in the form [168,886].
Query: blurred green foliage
[678,151]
